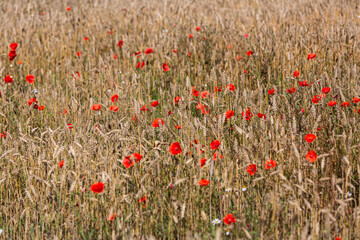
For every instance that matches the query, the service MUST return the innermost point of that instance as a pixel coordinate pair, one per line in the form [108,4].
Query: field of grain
[209,119]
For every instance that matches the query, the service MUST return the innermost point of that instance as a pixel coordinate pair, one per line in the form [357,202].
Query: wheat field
[209,119]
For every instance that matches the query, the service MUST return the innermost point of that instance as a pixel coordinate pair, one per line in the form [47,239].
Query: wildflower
[348,194]
[148,51]
[229,114]
[178,126]
[310,137]
[270,164]
[97,187]
[216,155]
[243,188]
[155,103]
[355,100]
[114,108]
[216,221]
[8,79]
[227,232]
[156,122]
[175,148]
[248,114]
[202,162]
[231,87]
[311,156]
[325,90]
[190,35]
[291,90]
[215,144]
[249,53]
[96,107]
[332,103]
[120,43]
[239,58]
[204,182]
[205,94]
[127,162]
[12,55]
[70,126]
[303,83]
[165,67]
[260,115]
[114,98]
[61,164]
[112,217]
[140,64]
[311,56]
[68,9]
[13,46]
[228,219]
[296,74]
[227,189]
[198,29]
[143,201]
[144,109]
[251,169]
[41,108]
[195,92]
[271,91]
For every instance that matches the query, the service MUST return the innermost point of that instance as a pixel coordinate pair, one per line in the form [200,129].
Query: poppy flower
[175,51]
[218,89]
[175,148]
[311,56]
[12,55]
[70,126]
[112,217]
[157,121]
[114,98]
[78,54]
[19,62]
[68,9]
[177,99]
[127,162]
[202,162]
[204,182]
[260,115]
[291,90]
[120,44]
[31,101]
[41,108]
[115,56]
[96,107]
[231,87]
[143,201]
[8,79]
[30,78]
[137,157]
[114,108]
[215,156]
[13,46]
[61,164]
[249,53]
[316,99]
[190,35]
[311,156]
[239,58]
[355,100]
[310,137]
[144,109]
[189,54]
[271,91]
[246,35]
[229,114]
[178,126]
[303,83]
[86,38]
[198,29]
[270,164]
[228,219]
[155,103]
[140,65]
[296,74]
[205,94]
[326,90]
[345,104]
[111,32]
[97,187]
[332,103]
[251,169]
[135,117]
[215,144]
[195,92]
[248,115]
[165,67]
[148,51]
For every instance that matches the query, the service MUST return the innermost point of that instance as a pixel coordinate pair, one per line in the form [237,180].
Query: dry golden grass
[294,200]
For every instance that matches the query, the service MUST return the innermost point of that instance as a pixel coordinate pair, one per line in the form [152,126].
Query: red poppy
[249,53]
[136,53]
[215,144]
[190,35]
[231,87]
[248,114]
[68,9]
[86,38]
[78,54]
[30,78]
[311,156]
[215,156]
[143,201]
[291,90]
[229,114]
[270,164]
[198,29]
[326,90]
[96,107]
[127,162]
[165,67]
[204,182]
[137,157]
[41,108]
[296,74]
[205,94]
[13,46]
[310,137]
[332,103]
[8,79]
[355,100]
[228,219]
[246,35]
[114,108]
[12,55]
[177,99]
[157,121]
[97,187]
[148,51]
[144,109]
[178,126]
[112,217]
[175,148]
[61,164]
[345,104]
[135,117]
[303,83]
[271,91]
[239,58]
[115,56]
[311,56]
[316,99]
[202,162]
[260,115]
[218,89]
[155,103]
[189,54]
[31,101]
[140,65]
[195,92]
[120,44]
[251,169]
[70,126]
[175,51]
[111,32]
[114,98]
